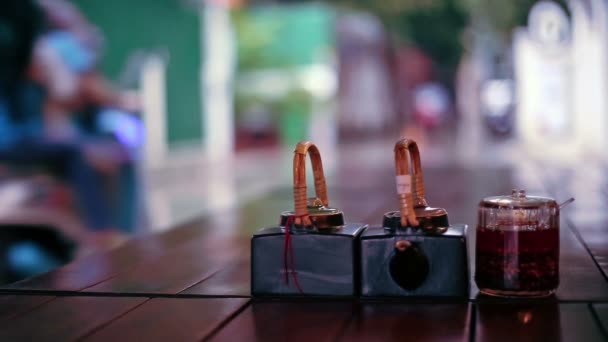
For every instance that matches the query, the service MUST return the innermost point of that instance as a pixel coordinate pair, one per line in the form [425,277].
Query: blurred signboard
[275,36]
[285,57]
[543,75]
[222,3]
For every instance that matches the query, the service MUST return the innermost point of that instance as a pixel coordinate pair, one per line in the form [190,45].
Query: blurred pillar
[470,125]
[543,75]
[366,105]
[217,75]
[590,73]
[154,105]
[160,209]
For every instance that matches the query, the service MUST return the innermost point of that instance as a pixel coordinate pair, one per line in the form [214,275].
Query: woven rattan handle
[299,180]
[404,182]
[417,181]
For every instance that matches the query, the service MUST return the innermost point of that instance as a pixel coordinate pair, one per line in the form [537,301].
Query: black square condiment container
[325,262]
[416,252]
[312,252]
[445,254]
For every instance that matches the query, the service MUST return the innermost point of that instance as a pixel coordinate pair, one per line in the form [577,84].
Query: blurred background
[125,118]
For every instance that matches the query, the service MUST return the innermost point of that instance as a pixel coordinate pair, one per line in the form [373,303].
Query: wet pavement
[251,180]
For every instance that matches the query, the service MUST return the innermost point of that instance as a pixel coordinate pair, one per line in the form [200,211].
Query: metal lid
[321,217]
[518,200]
[430,220]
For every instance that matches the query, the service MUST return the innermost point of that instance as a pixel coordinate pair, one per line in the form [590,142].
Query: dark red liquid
[517,260]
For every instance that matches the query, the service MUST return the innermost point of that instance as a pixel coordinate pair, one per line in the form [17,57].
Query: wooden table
[192,283]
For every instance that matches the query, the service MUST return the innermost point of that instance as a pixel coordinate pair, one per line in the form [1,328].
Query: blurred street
[250,181]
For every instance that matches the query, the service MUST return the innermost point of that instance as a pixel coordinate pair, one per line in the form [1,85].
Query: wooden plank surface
[536,322]
[65,319]
[170,319]
[288,321]
[601,310]
[594,235]
[580,278]
[233,280]
[91,270]
[11,306]
[210,257]
[179,269]
[185,259]
[409,321]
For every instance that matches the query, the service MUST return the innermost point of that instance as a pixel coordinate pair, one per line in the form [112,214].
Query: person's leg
[127,195]
[127,130]
[89,189]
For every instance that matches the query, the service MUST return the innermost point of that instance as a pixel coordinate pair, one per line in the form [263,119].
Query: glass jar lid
[518,200]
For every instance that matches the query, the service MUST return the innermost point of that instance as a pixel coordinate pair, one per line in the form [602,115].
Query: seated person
[22,138]
[34,243]
[103,126]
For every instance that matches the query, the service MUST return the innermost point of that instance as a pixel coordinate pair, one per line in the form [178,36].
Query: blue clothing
[29,124]
[11,132]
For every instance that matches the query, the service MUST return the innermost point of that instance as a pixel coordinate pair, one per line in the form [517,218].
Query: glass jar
[517,249]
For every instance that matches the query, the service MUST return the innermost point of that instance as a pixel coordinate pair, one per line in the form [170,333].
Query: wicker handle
[299,180]
[404,183]
[418,181]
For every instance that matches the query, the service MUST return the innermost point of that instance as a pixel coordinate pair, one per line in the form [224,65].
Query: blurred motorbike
[431,104]
[498,105]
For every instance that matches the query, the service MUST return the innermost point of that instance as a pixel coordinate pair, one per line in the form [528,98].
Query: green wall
[129,25]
